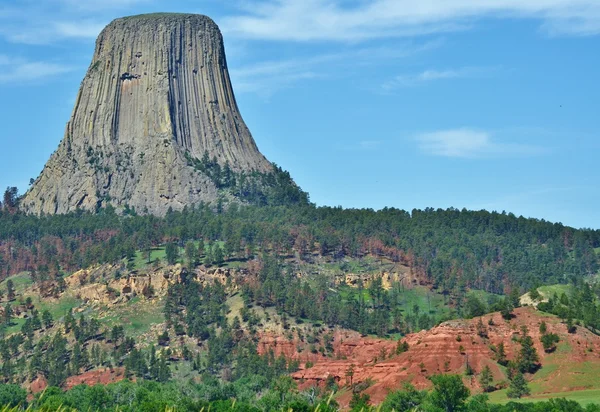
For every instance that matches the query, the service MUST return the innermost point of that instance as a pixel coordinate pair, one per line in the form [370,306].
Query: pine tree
[153,367]
[76,360]
[208,256]
[218,254]
[10,290]
[164,373]
[8,314]
[518,386]
[47,319]
[486,378]
[172,253]
[191,254]
[69,321]
[528,359]
[501,354]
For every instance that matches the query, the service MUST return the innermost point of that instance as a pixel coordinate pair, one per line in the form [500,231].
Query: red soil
[430,352]
[38,384]
[98,376]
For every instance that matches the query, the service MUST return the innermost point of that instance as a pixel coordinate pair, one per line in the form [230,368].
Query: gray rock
[157,90]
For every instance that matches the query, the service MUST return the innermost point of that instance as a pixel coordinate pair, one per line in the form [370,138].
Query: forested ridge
[453,249]
[449,251]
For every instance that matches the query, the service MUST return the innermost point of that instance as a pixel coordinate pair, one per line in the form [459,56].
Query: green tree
[172,253]
[501,354]
[12,396]
[407,399]
[534,294]
[10,290]
[284,386]
[218,254]
[507,309]
[486,378]
[549,342]
[47,319]
[475,307]
[449,393]
[518,386]
[191,254]
[543,328]
[8,314]
[360,402]
[528,359]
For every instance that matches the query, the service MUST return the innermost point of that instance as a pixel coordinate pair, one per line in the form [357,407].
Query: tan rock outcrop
[157,93]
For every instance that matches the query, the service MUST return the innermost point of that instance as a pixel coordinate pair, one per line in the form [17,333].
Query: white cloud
[430,75]
[16,70]
[98,5]
[470,143]
[82,29]
[339,20]
[50,21]
[267,77]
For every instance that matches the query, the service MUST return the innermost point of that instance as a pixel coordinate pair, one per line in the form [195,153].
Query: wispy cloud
[16,70]
[471,143]
[430,75]
[50,21]
[268,77]
[339,20]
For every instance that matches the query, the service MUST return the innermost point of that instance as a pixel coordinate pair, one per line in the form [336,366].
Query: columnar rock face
[156,93]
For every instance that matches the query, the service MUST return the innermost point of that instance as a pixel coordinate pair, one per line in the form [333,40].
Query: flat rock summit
[156,98]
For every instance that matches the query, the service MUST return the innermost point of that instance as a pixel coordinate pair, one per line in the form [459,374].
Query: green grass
[140,260]
[584,397]
[21,282]
[365,265]
[550,290]
[137,316]
[59,308]
[427,301]
[15,326]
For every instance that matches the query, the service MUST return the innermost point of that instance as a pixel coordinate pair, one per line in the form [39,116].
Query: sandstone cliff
[156,94]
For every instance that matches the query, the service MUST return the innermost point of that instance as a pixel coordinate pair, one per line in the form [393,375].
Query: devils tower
[156,95]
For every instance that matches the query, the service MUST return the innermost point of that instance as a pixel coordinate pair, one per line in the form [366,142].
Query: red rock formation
[444,349]
[98,376]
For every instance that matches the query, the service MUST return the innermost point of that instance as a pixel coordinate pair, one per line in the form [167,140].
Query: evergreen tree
[172,253]
[518,386]
[8,314]
[501,354]
[549,341]
[191,254]
[218,254]
[528,359]
[47,319]
[10,290]
[164,373]
[486,378]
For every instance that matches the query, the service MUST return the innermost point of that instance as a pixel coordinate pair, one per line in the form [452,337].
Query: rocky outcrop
[156,94]
[98,285]
[447,348]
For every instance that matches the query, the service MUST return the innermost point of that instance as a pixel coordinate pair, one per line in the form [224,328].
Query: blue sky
[489,104]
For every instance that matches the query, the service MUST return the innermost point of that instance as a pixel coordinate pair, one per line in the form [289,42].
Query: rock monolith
[157,94]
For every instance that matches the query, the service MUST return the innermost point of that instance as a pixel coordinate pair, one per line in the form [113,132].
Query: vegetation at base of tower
[275,188]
